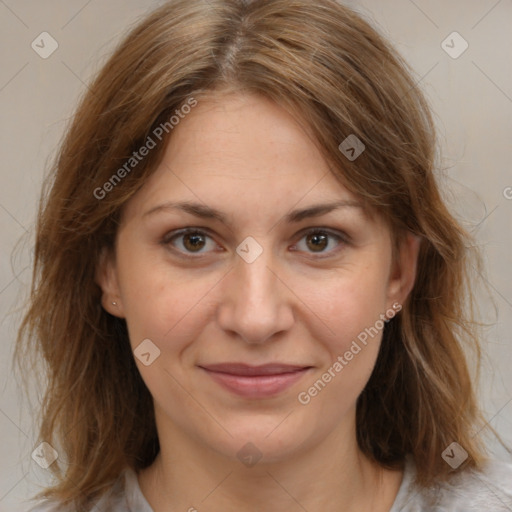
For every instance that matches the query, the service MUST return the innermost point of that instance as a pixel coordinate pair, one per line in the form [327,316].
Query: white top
[469,491]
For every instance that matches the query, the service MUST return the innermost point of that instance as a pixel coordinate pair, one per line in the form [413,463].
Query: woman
[248,292]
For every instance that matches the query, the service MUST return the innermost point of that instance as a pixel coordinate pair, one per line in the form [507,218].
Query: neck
[329,477]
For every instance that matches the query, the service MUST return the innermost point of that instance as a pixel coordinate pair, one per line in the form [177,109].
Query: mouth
[256,381]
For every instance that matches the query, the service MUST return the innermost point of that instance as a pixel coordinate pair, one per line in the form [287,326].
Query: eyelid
[330,231]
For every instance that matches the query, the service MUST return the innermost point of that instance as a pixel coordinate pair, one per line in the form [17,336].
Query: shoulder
[488,489]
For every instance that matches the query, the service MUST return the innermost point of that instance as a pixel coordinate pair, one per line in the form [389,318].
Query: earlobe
[404,271]
[106,278]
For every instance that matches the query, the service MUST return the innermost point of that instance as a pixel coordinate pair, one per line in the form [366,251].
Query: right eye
[191,240]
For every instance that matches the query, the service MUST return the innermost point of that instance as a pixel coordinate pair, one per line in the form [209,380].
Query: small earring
[114,303]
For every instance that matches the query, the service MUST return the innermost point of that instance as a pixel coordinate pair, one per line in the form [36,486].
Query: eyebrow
[207,212]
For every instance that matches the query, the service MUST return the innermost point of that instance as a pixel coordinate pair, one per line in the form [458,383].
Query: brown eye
[189,241]
[319,241]
[193,241]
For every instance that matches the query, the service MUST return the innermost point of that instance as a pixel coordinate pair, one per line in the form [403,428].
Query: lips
[244,370]
[250,381]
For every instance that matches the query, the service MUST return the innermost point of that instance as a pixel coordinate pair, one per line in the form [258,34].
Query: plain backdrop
[471,96]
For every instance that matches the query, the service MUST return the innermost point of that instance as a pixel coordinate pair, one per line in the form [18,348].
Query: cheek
[348,304]
[160,302]
[171,311]
[350,308]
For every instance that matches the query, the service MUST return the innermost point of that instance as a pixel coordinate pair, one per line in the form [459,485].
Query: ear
[403,271]
[106,278]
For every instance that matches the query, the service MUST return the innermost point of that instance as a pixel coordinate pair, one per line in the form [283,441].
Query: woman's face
[266,285]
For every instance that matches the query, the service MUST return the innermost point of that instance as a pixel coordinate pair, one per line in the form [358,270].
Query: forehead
[247,136]
[244,155]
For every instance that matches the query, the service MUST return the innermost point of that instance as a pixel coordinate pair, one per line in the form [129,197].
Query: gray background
[472,101]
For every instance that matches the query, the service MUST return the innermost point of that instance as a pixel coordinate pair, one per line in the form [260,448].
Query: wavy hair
[336,74]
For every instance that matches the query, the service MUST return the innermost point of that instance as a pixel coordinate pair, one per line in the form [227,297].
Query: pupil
[317,237]
[196,241]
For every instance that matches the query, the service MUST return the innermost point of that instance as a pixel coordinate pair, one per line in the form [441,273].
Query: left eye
[194,240]
[318,239]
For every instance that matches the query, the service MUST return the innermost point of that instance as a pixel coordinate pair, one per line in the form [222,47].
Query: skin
[296,303]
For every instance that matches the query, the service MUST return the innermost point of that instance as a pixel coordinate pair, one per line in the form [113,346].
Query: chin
[267,441]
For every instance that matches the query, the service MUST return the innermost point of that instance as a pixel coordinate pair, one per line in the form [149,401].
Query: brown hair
[338,76]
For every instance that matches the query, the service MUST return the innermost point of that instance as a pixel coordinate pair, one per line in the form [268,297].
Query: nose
[256,304]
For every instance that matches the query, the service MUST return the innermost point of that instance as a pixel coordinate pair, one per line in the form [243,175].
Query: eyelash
[341,237]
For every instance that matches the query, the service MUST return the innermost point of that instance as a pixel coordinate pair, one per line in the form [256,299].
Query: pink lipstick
[261,381]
